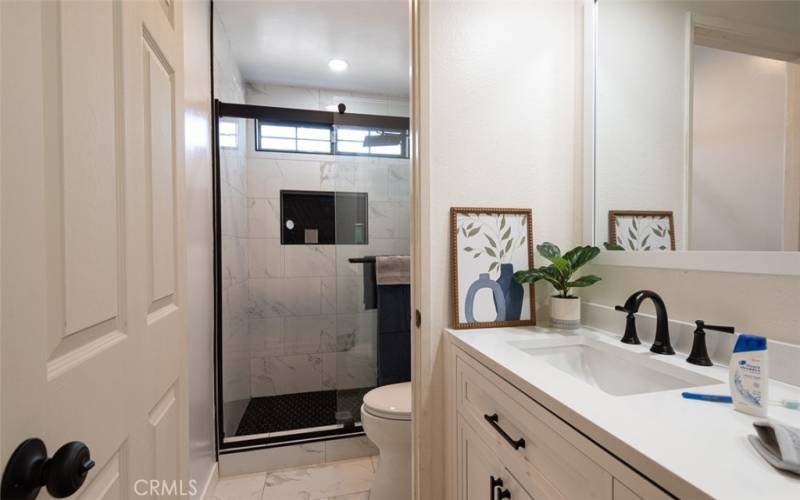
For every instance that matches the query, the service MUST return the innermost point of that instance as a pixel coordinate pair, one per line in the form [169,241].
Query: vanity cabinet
[481,474]
[503,433]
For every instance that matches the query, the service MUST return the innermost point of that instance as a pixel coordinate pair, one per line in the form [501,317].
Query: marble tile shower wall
[235,234]
[308,328]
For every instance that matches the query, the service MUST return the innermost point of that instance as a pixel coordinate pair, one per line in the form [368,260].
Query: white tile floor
[345,480]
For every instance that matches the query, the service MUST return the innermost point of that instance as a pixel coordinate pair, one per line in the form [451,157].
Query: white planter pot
[565,313]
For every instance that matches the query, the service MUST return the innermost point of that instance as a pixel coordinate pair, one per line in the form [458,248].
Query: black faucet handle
[630,337]
[701,325]
[699,354]
[623,309]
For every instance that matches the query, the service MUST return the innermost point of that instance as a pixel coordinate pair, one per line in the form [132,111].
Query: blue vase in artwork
[513,293]
[484,281]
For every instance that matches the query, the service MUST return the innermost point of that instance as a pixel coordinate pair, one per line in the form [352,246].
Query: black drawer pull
[494,483]
[504,494]
[492,419]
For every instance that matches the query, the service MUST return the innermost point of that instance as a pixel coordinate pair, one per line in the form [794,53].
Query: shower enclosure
[306,200]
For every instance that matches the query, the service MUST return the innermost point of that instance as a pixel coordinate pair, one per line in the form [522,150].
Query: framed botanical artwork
[641,230]
[488,245]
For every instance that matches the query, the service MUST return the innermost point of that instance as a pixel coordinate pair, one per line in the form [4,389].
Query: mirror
[697,125]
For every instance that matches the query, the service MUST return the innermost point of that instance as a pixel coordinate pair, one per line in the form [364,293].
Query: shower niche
[324,218]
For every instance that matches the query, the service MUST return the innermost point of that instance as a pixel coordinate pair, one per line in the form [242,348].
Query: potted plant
[565,308]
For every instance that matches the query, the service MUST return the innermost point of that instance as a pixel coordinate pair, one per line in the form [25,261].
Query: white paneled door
[92,325]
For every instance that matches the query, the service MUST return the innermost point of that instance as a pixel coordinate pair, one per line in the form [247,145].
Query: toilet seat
[391,402]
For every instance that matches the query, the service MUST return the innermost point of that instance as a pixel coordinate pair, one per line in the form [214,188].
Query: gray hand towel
[393,270]
[778,443]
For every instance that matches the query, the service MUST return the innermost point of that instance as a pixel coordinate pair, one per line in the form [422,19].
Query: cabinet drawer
[515,489]
[481,476]
[547,465]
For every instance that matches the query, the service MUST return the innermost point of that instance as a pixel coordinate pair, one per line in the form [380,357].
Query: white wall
[739,129]
[199,241]
[641,89]
[498,109]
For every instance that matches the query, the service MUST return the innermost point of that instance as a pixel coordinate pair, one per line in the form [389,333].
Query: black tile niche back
[324,218]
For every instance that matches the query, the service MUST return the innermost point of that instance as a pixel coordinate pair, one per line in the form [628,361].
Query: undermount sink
[611,369]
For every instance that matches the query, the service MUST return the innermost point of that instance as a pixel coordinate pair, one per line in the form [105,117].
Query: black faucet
[699,354]
[661,344]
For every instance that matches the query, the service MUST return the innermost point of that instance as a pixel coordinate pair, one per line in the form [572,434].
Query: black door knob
[29,469]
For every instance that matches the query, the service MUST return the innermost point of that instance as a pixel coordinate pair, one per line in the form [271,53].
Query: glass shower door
[382,186]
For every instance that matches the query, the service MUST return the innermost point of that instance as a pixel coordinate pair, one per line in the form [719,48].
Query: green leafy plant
[559,273]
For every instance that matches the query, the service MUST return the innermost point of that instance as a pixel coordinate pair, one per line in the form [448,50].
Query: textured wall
[498,109]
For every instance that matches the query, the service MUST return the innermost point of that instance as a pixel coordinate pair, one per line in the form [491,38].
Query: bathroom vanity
[541,413]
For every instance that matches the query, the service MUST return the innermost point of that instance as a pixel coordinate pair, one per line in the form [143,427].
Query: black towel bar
[362,260]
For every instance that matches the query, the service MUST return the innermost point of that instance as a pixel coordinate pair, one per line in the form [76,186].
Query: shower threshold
[291,414]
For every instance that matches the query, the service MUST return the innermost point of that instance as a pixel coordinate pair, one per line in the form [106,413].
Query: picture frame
[487,246]
[641,230]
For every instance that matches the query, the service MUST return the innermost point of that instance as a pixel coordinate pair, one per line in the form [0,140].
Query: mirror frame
[744,262]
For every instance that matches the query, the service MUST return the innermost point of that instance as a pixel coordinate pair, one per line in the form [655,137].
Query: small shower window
[371,142]
[228,134]
[298,137]
[292,138]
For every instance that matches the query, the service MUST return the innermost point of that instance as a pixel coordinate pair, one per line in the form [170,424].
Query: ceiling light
[338,64]
[332,107]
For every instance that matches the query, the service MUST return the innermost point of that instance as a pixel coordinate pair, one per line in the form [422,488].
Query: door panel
[81,142]
[160,132]
[109,483]
[164,427]
[91,236]
[85,138]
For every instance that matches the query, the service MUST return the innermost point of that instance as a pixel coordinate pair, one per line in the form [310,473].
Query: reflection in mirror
[697,129]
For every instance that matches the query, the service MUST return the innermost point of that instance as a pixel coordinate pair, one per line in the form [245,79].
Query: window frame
[296,124]
[333,149]
[235,123]
[403,145]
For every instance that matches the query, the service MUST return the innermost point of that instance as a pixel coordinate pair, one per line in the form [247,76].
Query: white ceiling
[291,42]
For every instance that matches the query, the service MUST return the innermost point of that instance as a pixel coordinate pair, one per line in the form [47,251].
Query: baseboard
[294,455]
[207,491]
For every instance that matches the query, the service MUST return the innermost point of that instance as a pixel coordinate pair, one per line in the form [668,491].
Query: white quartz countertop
[688,447]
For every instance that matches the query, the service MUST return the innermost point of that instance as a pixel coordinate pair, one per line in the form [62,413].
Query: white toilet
[386,417]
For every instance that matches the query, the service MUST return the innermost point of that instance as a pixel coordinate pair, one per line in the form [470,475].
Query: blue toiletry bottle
[749,375]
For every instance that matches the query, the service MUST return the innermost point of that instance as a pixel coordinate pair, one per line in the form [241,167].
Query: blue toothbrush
[715,398]
[718,398]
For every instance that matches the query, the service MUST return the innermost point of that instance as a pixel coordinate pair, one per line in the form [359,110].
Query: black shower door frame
[249,111]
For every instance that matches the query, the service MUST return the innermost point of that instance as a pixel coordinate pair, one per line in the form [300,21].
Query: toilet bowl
[386,418]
